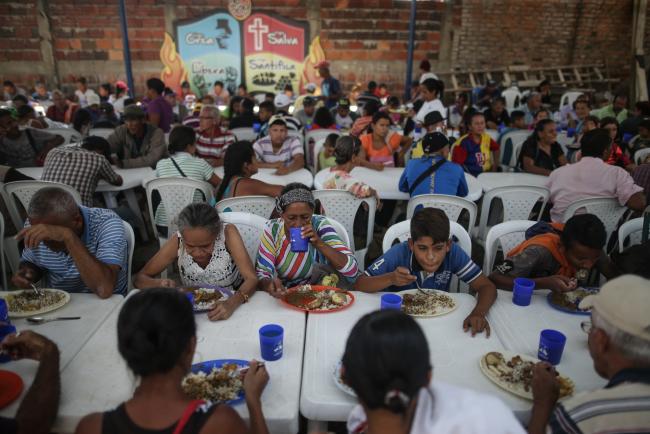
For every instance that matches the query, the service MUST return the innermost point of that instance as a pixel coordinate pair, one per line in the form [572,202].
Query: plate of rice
[219,381]
[28,302]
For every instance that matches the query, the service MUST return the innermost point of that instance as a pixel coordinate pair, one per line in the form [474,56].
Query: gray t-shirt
[19,152]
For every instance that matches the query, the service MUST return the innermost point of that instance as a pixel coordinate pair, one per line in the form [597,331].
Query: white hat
[93,99]
[624,303]
[281,100]
[428,75]
[310,87]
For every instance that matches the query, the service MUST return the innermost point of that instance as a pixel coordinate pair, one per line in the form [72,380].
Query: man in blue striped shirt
[74,248]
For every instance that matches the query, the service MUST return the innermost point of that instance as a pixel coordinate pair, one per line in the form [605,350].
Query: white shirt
[453,410]
[83,96]
[430,106]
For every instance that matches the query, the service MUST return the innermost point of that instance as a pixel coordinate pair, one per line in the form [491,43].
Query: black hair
[500,99]
[381,115]
[269,95]
[81,118]
[294,186]
[383,85]
[323,118]
[346,147]
[386,360]
[581,101]
[20,97]
[430,222]
[242,86]
[434,85]
[128,102]
[156,84]
[540,111]
[607,121]
[267,105]
[185,84]
[517,114]
[539,127]
[634,260]
[644,108]
[8,83]
[371,107]
[180,138]
[82,80]
[168,91]
[620,95]
[425,65]
[231,106]
[541,84]
[107,87]
[233,162]
[288,87]
[392,100]
[417,105]
[372,85]
[247,105]
[218,83]
[23,111]
[585,229]
[331,139]
[154,329]
[594,143]
[96,143]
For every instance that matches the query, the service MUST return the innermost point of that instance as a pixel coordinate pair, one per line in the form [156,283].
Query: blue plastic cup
[522,291]
[6,330]
[4,311]
[190,297]
[256,127]
[627,137]
[551,346]
[271,337]
[391,301]
[298,243]
[570,132]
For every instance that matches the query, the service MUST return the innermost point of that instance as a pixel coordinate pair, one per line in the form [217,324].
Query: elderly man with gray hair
[619,343]
[72,247]
[212,140]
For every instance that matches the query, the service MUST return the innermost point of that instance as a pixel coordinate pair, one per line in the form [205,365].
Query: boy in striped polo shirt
[428,260]
[278,150]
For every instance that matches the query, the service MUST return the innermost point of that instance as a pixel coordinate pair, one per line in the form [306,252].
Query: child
[346,156]
[517,122]
[427,260]
[477,152]
[433,122]
[343,117]
[641,140]
[326,157]
[497,117]
[432,173]
[557,256]
[267,109]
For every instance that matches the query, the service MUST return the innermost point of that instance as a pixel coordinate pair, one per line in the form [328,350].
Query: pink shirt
[590,177]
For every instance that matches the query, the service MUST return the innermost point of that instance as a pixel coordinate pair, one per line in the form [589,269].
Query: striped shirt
[623,406]
[104,238]
[213,145]
[79,168]
[290,148]
[294,268]
[192,167]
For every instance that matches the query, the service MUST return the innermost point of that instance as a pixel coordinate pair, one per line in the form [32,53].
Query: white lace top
[221,270]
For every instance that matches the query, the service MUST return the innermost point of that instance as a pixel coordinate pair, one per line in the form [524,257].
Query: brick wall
[364,39]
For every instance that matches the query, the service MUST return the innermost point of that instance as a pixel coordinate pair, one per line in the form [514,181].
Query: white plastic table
[491,180]
[519,328]
[131,178]
[98,379]
[386,182]
[70,336]
[455,357]
[267,175]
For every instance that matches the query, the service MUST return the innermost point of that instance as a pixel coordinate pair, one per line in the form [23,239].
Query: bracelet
[244,297]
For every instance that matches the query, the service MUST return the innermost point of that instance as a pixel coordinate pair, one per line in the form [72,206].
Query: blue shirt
[400,255]
[447,179]
[104,237]
[330,86]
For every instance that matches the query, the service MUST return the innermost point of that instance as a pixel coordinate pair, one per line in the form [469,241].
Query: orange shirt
[392,144]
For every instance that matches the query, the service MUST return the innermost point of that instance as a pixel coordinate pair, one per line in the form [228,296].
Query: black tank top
[118,422]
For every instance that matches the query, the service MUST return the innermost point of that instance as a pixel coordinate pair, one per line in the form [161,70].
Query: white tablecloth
[386,182]
[70,336]
[491,180]
[131,178]
[98,379]
[455,356]
[303,176]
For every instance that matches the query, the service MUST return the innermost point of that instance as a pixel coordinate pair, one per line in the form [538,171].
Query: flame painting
[309,73]
[174,73]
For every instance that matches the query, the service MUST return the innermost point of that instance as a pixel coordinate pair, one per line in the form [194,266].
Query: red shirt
[65,116]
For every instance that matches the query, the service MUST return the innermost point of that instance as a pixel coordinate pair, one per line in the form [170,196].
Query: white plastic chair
[632,229]
[101,132]
[518,202]
[318,146]
[130,242]
[343,234]
[505,237]
[250,227]
[24,191]
[607,209]
[493,133]
[316,135]
[402,231]
[175,194]
[512,97]
[569,98]
[451,205]
[342,206]
[262,206]
[640,155]
[511,144]
[2,254]
[70,135]
[244,134]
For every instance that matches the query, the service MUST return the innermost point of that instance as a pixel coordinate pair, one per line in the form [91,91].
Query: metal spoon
[41,320]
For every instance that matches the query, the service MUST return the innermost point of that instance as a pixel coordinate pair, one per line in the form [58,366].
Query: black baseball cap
[308,100]
[433,118]
[433,142]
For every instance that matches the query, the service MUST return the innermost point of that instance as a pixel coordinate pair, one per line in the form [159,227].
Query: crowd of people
[83,247]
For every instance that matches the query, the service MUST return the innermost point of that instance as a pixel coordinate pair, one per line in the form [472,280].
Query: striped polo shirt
[215,146]
[290,148]
[104,238]
[192,167]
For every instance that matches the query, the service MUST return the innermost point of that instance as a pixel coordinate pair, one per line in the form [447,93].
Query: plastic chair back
[512,97]
[451,205]
[505,237]
[511,144]
[316,135]
[632,229]
[568,98]
[70,135]
[607,209]
[250,228]
[262,206]
[101,132]
[641,155]
[318,146]
[130,242]
[244,134]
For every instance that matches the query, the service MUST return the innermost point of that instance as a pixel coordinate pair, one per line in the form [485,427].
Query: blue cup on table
[6,330]
[256,127]
[4,311]
[522,291]
[391,301]
[190,297]
[551,346]
[570,132]
[271,342]
[627,137]
[298,243]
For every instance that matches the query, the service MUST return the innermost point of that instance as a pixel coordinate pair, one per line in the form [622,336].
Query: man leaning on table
[137,143]
[74,248]
[619,344]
